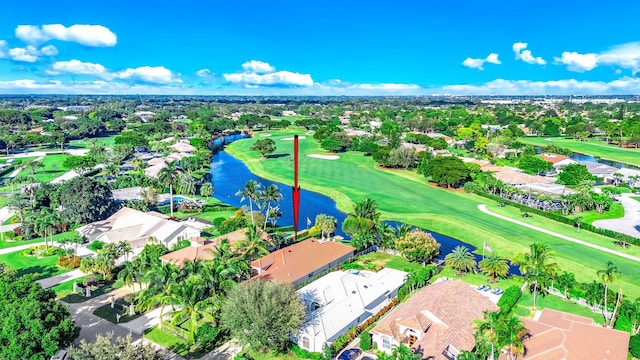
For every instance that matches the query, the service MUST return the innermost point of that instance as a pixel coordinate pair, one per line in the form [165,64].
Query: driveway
[630,223]
[55,280]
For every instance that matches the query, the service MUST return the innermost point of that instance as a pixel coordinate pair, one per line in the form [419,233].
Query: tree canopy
[262,314]
[447,170]
[264,147]
[85,200]
[574,174]
[34,325]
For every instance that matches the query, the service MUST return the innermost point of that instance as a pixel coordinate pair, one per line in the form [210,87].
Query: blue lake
[229,175]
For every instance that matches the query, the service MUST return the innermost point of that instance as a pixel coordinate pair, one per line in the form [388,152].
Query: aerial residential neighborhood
[315,180]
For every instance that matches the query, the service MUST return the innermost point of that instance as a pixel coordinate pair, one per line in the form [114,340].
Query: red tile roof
[297,261]
[553,158]
[446,310]
[558,335]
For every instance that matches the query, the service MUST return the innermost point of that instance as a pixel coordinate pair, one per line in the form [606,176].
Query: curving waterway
[229,175]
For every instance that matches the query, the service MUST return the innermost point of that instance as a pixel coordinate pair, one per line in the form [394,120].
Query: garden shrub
[96,246]
[365,341]
[91,280]
[207,337]
[509,299]
[41,250]
[304,354]
[634,346]
[623,323]
[69,262]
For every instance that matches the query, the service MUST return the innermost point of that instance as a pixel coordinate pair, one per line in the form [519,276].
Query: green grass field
[405,196]
[51,170]
[169,341]
[107,141]
[591,147]
[44,266]
[615,212]
[525,306]
[66,288]
[388,260]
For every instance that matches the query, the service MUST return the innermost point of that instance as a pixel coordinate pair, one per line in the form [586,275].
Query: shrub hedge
[509,299]
[69,262]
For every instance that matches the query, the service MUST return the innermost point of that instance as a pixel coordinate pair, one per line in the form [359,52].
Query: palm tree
[566,280]
[169,175]
[461,259]
[149,196]
[495,266]
[128,275]
[514,333]
[487,334]
[125,249]
[251,191]
[206,189]
[252,246]
[271,194]
[186,184]
[537,267]
[610,274]
[367,209]
[326,224]
[195,307]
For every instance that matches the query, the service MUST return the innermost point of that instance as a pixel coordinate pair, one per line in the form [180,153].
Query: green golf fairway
[404,196]
[591,147]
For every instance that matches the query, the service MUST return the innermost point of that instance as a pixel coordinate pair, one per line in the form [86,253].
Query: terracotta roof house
[298,262]
[340,300]
[204,249]
[513,177]
[183,146]
[137,227]
[558,335]
[437,320]
[557,160]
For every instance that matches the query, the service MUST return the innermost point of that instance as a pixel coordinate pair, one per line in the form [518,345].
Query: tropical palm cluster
[498,333]
[266,201]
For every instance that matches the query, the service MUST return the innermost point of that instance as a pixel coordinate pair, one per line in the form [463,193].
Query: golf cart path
[483,208]
[630,223]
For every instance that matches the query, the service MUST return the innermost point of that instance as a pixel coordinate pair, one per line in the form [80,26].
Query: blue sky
[320,47]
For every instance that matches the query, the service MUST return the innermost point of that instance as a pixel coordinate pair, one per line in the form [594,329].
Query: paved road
[55,280]
[483,208]
[630,223]
[19,248]
[6,213]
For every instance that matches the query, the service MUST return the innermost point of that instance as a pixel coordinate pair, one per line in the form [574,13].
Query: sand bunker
[291,139]
[265,135]
[324,157]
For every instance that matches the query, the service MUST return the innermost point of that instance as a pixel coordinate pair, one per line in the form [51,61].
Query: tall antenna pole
[296,188]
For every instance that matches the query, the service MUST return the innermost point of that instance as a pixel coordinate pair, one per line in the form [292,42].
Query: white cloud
[28,54]
[625,56]
[258,67]
[623,86]
[259,73]
[148,74]
[49,50]
[78,67]
[526,55]
[577,62]
[479,63]
[204,72]
[88,35]
[275,78]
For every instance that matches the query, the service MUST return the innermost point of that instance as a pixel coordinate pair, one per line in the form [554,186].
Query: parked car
[60,355]
[350,354]
[369,357]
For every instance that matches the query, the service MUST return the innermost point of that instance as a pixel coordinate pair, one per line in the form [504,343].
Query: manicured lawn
[9,244]
[109,314]
[51,170]
[167,340]
[388,260]
[66,288]
[615,212]
[103,289]
[478,278]
[404,196]
[107,141]
[270,356]
[591,147]
[43,266]
[555,303]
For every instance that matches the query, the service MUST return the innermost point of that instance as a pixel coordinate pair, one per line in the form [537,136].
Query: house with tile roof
[137,228]
[557,160]
[437,321]
[301,261]
[340,300]
[204,249]
[557,335]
